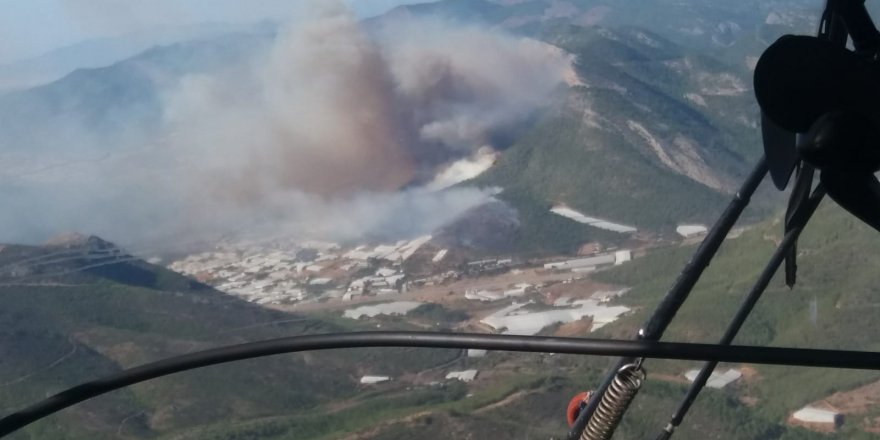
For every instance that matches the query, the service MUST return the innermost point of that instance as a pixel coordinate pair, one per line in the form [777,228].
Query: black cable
[673,301]
[799,221]
[535,344]
[681,289]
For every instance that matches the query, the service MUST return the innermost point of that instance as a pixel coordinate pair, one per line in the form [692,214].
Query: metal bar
[534,344]
[787,243]
[682,287]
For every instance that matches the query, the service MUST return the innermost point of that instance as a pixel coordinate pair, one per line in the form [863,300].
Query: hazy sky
[32,27]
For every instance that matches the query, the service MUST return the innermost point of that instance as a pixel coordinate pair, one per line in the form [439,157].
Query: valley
[530,167]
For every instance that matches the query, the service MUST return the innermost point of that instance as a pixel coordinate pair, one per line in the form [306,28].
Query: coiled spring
[615,401]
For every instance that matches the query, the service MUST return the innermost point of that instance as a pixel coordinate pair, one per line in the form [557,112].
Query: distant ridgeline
[71,258]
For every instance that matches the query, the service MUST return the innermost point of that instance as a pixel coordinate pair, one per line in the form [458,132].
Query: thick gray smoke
[337,132]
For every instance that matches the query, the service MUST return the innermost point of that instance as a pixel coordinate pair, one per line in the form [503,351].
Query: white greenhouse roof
[815,415]
[368,380]
[691,230]
[464,376]
[716,380]
[592,221]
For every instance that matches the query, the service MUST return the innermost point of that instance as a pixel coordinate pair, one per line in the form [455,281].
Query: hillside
[658,136]
[81,310]
[836,254]
[834,281]
[93,322]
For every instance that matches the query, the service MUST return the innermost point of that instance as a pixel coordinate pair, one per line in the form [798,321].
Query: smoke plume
[337,131]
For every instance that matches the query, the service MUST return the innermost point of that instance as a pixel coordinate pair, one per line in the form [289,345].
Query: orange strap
[574,406]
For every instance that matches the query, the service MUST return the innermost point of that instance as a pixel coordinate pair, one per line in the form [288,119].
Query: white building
[811,415]
[482,295]
[476,353]
[562,301]
[519,322]
[623,256]
[584,269]
[383,250]
[464,376]
[410,248]
[359,254]
[385,272]
[689,231]
[580,263]
[716,380]
[370,380]
[393,279]
[392,308]
[358,285]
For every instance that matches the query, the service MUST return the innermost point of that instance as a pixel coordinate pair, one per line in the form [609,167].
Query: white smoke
[464,169]
[317,137]
[464,82]
[333,109]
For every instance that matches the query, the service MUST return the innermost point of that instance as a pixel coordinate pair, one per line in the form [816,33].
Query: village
[326,274]
[313,271]
[505,294]
[501,294]
[323,272]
